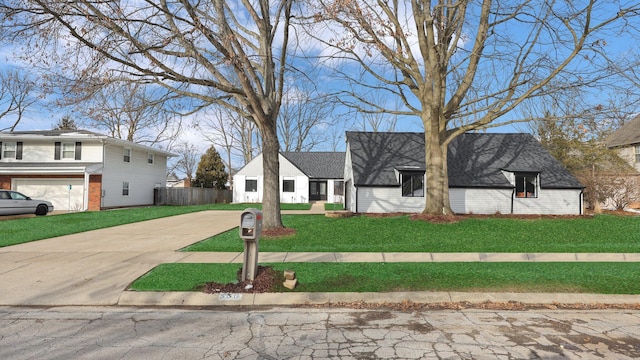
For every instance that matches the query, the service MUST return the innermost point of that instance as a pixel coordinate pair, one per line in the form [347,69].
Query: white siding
[480,201]
[141,176]
[471,201]
[253,170]
[551,201]
[39,151]
[300,193]
[242,196]
[331,196]
[492,201]
[387,200]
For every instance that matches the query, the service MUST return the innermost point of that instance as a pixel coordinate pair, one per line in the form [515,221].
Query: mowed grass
[600,278]
[317,233]
[21,230]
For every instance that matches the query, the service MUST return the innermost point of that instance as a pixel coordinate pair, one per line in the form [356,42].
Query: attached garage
[64,193]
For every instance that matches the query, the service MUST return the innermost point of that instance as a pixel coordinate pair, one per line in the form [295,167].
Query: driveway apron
[92,268]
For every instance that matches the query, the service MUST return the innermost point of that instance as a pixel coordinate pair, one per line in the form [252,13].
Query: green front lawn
[17,231]
[600,278]
[317,233]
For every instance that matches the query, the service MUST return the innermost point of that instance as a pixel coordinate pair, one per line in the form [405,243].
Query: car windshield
[18,196]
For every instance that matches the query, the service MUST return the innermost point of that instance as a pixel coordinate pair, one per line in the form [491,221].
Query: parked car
[15,203]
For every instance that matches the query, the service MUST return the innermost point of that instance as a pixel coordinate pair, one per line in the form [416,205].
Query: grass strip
[597,278]
[317,233]
[17,231]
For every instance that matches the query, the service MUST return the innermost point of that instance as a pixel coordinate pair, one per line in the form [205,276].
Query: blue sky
[44,115]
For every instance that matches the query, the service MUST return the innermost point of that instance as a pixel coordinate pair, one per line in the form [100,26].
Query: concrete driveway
[93,268]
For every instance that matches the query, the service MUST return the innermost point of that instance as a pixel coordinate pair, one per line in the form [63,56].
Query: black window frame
[410,182]
[525,188]
[338,187]
[291,185]
[251,185]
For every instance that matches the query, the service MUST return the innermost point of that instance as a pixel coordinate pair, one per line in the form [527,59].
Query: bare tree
[232,132]
[131,111]
[16,95]
[228,53]
[305,116]
[187,159]
[465,65]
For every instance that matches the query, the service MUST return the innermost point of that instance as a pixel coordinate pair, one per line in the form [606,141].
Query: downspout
[356,199]
[581,202]
[513,194]
[85,195]
[104,158]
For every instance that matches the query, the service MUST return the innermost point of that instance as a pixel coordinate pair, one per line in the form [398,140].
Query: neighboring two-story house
[81,170]
[626,142]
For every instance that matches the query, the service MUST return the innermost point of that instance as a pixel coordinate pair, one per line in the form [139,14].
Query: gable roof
[318,165]
[627,134]
[474,159]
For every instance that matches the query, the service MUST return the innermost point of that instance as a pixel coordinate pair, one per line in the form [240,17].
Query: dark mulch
[265,281]
[278,232]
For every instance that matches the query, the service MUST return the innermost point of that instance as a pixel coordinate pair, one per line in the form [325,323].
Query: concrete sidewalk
[95,267]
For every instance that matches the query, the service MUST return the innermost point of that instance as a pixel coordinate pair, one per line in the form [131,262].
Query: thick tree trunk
[271,187]
[437,177]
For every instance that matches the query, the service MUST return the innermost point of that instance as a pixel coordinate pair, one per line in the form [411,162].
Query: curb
[137,298]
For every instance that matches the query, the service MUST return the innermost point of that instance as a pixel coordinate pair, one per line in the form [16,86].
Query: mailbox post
[250,230]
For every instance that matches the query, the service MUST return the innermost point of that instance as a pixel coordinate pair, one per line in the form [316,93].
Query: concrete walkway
[95,267]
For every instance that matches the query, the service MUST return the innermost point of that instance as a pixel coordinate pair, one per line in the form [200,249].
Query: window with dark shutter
[0,150]
[57,151]
[78,151]
[19,150]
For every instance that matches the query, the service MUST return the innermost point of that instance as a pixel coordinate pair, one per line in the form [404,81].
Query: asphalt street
[314,333]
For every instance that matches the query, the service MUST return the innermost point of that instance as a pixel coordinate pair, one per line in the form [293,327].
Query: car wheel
[41,210]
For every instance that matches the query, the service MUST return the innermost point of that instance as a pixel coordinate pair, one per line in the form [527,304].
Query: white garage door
[54,190]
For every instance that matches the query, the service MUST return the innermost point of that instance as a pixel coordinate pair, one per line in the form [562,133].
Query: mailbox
[250,224]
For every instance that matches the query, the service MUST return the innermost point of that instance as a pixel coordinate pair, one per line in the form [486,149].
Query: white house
[488,174]
[81,170]
[304,177]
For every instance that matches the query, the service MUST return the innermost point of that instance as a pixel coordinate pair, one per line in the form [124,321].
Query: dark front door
[317,190]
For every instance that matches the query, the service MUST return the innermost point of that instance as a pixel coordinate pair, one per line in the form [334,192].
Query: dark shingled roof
[474,160]
[318,165]
[627,134]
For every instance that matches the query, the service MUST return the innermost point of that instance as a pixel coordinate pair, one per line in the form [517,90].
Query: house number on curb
[230,297]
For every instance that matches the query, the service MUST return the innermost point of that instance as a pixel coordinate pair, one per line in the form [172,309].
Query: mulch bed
[265,281]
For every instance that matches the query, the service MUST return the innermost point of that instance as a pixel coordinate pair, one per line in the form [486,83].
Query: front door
[317,190]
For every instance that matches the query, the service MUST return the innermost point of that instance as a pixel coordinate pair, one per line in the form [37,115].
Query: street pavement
[305,333]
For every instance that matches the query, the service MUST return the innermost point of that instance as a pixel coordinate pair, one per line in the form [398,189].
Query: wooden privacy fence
[191,196]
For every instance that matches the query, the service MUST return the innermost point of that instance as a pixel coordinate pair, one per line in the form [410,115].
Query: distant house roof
[627,134]
[73,135]
[318,165]
[474,160]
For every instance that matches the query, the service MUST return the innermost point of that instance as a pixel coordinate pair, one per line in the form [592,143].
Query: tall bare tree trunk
[437,182]
[271,187]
